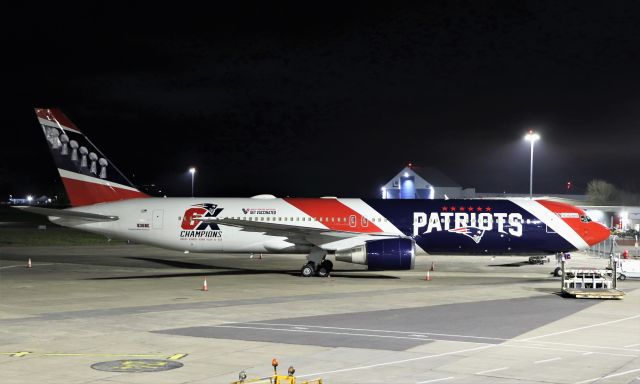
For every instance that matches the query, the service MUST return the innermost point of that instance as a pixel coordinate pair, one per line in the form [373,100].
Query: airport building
[414,182]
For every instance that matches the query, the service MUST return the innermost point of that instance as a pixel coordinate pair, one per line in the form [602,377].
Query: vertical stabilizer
[88,176]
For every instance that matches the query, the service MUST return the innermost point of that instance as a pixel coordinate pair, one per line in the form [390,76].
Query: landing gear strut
[325,268]
[316,264]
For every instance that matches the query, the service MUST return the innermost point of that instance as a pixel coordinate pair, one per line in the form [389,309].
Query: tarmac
[136,314]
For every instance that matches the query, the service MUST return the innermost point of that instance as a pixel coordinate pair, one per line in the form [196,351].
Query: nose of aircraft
[595,233]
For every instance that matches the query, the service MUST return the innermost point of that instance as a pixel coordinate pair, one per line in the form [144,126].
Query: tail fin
[87,175]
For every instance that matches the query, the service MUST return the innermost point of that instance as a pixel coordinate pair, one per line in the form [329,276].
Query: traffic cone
[29,263]
[205,288]
[428,277]
[433,266]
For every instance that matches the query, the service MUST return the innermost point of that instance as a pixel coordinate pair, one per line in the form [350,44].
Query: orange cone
[428,277]
[433,266]
[205,288]
[29,263]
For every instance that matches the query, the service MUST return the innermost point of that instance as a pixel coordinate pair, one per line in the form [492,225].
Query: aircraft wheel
[622,277]
[308,270]
[325,269]
[557,272]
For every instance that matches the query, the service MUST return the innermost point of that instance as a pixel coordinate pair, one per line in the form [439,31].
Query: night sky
[313,100]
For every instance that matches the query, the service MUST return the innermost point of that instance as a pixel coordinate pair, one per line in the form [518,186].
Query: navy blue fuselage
[471,226]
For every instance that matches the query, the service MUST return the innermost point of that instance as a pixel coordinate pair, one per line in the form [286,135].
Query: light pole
[532,137]
[192,171]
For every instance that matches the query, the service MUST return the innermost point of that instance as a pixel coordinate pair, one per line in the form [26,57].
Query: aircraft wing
[68,214]
[295,233]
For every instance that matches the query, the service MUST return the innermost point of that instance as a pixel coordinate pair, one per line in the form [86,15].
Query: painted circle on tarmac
[134,366]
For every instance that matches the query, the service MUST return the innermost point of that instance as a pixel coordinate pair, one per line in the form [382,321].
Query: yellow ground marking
[132,364]
[15,354]
[101,354]
[176,356]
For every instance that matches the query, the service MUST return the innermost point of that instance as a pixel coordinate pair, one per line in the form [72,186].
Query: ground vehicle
[628,268]
[539,260]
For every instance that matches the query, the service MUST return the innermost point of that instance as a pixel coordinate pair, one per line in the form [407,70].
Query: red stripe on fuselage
[574,222]
[87,193]
[329,210]
[558,208]
[591,232]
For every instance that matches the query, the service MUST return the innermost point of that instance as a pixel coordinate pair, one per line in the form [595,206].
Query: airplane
[382,234]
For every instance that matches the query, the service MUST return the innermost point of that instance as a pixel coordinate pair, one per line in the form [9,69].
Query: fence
[616,246]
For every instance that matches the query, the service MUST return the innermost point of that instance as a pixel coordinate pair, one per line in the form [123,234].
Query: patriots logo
[474,233]
[212,209]
[207,210]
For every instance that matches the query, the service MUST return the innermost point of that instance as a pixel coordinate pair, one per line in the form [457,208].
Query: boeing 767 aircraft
[382,234]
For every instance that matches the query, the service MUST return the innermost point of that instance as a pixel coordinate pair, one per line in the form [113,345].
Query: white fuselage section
[169,223]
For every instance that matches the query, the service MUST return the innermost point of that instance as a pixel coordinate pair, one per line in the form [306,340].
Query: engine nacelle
[387,254]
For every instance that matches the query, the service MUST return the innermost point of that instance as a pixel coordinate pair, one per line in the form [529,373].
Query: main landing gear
[316,264]
[323,270]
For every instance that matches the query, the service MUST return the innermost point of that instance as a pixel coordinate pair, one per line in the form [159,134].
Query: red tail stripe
[87,193]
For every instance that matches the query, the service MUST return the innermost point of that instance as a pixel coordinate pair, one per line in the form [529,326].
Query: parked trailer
[628,268]
[590,283]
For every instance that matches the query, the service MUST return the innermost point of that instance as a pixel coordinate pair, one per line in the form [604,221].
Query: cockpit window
[585,219]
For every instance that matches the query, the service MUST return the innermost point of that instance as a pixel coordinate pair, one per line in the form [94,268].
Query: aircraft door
[158,217]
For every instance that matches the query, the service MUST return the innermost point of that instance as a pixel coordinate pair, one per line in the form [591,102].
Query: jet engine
[386,254]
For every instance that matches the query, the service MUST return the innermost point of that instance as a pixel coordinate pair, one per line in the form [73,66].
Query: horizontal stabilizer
[65,213]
